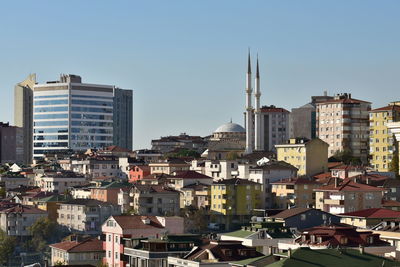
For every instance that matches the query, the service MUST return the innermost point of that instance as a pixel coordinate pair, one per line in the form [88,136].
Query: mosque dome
[230,128]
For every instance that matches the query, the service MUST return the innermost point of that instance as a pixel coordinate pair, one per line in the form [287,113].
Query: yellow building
[233,200]
[51,205]
[381,142]
[294,192]
[235,196]
[310,157]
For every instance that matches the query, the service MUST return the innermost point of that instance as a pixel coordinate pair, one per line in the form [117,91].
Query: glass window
[92,102]
[50,116]
[50,109]
[51,130]
[86,109]
[50,96]
[50,102]
[50,123]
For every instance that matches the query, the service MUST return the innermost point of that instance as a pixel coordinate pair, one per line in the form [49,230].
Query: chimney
[361,248]
[289,253]
[336,182]
[325,93]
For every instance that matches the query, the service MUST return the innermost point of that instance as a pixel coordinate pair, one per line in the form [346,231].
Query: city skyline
[187,61]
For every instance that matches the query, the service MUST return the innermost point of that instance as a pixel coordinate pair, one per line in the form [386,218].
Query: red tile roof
[89,245]
[137,222]
[377,213]
[273,109]
[390,203]
[349,185]
[116,149]
[22,209]
[387,108]
[344,101]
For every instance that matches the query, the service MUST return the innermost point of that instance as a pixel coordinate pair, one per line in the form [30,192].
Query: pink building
[134,226]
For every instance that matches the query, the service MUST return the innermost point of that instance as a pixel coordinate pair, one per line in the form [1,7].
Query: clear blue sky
[186,60]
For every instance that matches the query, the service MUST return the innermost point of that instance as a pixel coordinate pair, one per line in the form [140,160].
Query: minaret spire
[249,110]
[258,132]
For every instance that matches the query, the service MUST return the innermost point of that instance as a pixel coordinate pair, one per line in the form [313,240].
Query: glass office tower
[69,114]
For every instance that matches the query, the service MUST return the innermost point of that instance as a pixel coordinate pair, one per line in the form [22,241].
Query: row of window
[92,123]
[91,131]
[51,144]
[91,138]
[50,137]
[50,123]
[85,116]
[51,102]
[87,109]
[49,96]
[93,96]
[51,116]
[50,109]
[51,130]
[92,102]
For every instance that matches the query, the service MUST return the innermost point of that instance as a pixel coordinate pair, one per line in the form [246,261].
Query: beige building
[343,123]
[297,192]
[368,218]
[310,157]
[85,252]
[168,166]
[155,200]
[23,113]
[381,141]
[347,196]
[85,215]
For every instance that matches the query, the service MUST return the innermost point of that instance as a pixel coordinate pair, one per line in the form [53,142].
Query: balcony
[334,202]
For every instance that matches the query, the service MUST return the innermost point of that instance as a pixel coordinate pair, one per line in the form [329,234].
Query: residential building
[50,204]
[116,228]
[303,218]
[215,253]
[13,180]
[180,179]
[392,187]
[344,236]
[262,234]
[169,166]
[80,191]
[137,172]
[276,126]
[394,128]
[233,201]
[343,123]
[294,192]
[348,196]
[155,200]
[11,144]
[155,251]
[266,172]
[168,144]
[310,157]
[381,141]
[147,155]
[303,119]
[15,219]
[59,182]
[85,215]
[23,113]
[195,195]
[388,230]
[77,252]
[368,218]
[71,115]
[108,192]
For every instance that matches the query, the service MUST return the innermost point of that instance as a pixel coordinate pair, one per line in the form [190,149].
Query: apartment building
[16,219]
[310,157]
[85,215]
[11,144]
[59,182]
[348,196]
[343,123]
[118,228]
[168,166]
[158,200]
[381,140]
[275,123]
[297,192]
[77,252]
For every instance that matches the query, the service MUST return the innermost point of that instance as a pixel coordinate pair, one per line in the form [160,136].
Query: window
[303,217]
[116,255]
[109,238]
[116,240]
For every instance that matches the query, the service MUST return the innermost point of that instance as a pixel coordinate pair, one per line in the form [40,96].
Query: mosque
[231,137]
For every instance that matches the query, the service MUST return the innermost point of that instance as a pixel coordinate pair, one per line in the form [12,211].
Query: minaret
[257,111]
[249,111]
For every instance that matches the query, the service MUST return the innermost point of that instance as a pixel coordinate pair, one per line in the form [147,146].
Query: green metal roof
[306,257]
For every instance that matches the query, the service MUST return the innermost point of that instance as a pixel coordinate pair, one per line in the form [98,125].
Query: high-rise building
[343,123]
[11,144]
[23,110]
[303,119]
[275,127]
[71,115]
[123,118]
[381,141]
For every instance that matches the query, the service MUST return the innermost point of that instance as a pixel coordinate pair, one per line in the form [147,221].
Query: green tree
[232,155]
[196,220]
[2,192]
[394,164]
[7,247]
[43,231]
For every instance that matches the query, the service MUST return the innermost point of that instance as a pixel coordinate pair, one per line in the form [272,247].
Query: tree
[43,231]
[196,220]
[346,156]
[232,155]
[7,247]
[3,192]
[394,164]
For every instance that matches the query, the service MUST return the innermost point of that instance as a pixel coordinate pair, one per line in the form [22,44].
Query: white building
[59,182]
